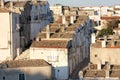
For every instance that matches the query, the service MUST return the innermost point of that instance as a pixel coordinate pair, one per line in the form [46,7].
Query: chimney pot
[71,19]
[93,37]
[103,44]
[118,25]
[63,19]
[38,39]
[2,3]
[48,31]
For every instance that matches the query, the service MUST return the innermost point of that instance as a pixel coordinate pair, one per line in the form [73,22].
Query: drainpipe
[11,52]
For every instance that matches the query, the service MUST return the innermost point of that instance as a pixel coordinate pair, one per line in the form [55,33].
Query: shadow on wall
[26,73]
[60,73]
[51,16]
[25,20]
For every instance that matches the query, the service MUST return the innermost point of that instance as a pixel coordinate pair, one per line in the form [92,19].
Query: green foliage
[105,32]
[109,30]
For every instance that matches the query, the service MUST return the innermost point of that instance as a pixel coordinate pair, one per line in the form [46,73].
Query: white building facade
[9,35]
[63,53]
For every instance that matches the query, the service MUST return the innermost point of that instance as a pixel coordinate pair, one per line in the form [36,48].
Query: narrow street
[81,65]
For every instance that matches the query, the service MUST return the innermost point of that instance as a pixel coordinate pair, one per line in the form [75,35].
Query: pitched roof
[40,3]
[94,73]
[3,10]
[16,3]
[59,35]
[110,18]
[50,44]
[24,63]
[98,44]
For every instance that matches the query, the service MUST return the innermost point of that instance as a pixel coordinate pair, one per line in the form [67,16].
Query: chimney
[103,44]
[93,38]
[107,69]
[67,24]
[63,19]
[62,28]
[112,43]
[38,39]
[118,25]
[2,3]
[105,38]
[48,31]
[99,66]
[34,1]
[74,18]
[71,19]
[11,5]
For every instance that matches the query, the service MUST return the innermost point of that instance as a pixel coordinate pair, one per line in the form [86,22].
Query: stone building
[104,59]
[57,9]
[105,50]
[9,35]
[63,46]
[25,70]
[32,13]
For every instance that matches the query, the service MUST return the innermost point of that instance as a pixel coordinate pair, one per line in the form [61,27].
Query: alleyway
[81,65]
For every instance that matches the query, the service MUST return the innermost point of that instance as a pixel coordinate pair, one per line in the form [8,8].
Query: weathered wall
[58,57]
[105,54]
[9,35]
[30,73]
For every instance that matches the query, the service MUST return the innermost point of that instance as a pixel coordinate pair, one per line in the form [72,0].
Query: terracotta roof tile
[110,18]
[3,10]
[50,44]
[94,73]
[24,63]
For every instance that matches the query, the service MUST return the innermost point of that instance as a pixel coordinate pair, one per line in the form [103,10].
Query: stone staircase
[24,55]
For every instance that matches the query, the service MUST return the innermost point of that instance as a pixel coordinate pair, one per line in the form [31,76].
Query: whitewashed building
[25,70]
[9,35]
[57,9]
[63,47]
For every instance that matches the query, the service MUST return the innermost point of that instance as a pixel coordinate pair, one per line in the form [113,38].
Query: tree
[105,32]
[109,30]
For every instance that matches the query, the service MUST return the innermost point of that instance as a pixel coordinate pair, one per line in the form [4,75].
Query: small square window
[3,77]
[21,77]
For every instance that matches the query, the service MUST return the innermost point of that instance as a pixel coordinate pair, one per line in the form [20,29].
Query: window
[53,57]
[21,77]
[3,77]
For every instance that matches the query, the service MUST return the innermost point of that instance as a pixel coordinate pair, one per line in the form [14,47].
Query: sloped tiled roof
[40,3]
[94,73]
[110,18]
[24,63]
[50,44]
[16,3]
[3,10]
